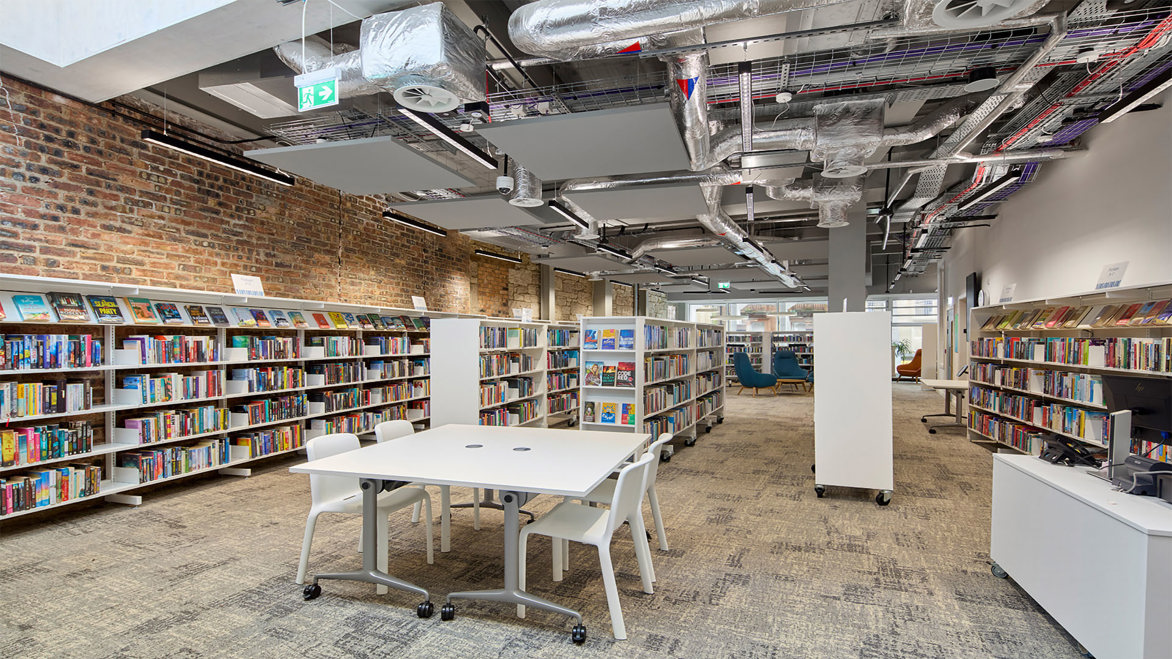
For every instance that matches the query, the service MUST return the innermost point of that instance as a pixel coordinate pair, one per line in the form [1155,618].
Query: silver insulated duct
[719,223]
[832,196]
[527,188]
[424,56]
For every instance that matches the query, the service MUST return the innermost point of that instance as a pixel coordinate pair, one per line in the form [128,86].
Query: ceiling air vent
[965,14]
[426,98]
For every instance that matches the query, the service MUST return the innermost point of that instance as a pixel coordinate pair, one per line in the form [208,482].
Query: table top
[945,384]
[537,460]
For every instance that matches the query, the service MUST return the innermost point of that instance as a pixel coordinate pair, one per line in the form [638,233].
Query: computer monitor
[1148,399]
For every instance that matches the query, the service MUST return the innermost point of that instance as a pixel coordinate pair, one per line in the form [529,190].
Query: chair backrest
[388,430]
[915,362]
[743,367]
[654,450]
[628,492]
[785,365]
[329,488]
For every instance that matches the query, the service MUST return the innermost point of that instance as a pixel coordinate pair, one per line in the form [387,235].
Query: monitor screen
[1149,399]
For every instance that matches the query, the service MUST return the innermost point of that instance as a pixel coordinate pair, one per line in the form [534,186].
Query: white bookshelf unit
[651,375]
[161,402]
[563,360]
[492,371]
[752,343]
[801,342]
[1027,379]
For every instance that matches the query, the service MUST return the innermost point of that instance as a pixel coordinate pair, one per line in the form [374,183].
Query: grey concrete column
[603,298]
[547,296]
[848,264]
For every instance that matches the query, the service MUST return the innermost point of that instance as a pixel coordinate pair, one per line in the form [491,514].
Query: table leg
[370,551]
[958,421]
[489,502]
[511,593]
[445,518]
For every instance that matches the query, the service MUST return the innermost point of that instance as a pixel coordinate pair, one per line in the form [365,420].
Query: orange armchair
[910,369]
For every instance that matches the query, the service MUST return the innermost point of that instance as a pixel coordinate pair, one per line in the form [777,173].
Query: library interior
[365,328]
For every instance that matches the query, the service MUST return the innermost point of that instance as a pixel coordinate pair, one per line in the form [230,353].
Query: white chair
[341,494]
[389,430]
[570,520]
[604,493]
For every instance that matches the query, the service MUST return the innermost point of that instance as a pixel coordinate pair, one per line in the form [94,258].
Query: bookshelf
[752,343]
[651,375]
[492,371]
[1036,365]
[801,342]
[121,406]
[563,361]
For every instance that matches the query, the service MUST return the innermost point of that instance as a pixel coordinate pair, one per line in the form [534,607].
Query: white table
[518,462]
[950,388]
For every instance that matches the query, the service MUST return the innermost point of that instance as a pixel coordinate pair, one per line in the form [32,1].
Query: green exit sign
[317,89]
[723,285]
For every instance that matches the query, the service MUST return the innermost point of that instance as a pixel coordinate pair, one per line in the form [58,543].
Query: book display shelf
[108,388]
[651,375]
[801,342]
[752,343]
[492,371]
[562,363]
[1037,365]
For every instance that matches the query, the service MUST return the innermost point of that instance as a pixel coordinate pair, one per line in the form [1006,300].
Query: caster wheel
[883,498]
[311,592]
[923,419]
[665,457]
[578,634]
[691,441]
[931,431]
[447,612]
[813,469]
[820,491]
[720,420]
[707,428]
[425,609]
[998,571]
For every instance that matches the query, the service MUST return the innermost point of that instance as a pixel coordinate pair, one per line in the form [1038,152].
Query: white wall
[1110,204]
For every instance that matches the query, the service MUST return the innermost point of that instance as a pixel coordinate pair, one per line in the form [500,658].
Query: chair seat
[393,500]
[572,521]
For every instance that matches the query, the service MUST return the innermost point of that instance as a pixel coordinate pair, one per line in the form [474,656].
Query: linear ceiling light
[623,283]
[437,128]
[570,272]
[493,255]
[1135,98]
[413,223]
[613,251]
[566,213]
[191,149]
[997,186]
[667,271]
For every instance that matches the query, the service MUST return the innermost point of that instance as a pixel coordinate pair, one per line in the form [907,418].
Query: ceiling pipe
[656,244]
[719,223]
[715,176]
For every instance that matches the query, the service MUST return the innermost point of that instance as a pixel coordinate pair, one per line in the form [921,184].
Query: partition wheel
[883,498]
[578,634]
[820,490]
[425,609]
[311,592]
[447,611]
[998,571]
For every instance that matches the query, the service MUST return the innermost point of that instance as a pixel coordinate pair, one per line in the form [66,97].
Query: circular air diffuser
[426,98]
[832,224]
[982,79]
[965,14]
[526,202]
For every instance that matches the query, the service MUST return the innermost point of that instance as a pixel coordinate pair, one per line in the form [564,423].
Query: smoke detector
[426,98]
[965,14]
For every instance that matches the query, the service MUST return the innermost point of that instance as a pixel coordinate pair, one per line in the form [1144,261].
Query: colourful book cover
[338,319]
[1142,313]
[626,339]
[261,318]
[279,319]
[991,322]
[625,374]
[32,308]
[628,414]
[1156,311]
[1040,319]
[196,313]
[1007,320]
[351,321]
[1125,317]
[590,339]
[607,412]
[1076,317]
[322,320]
[244,317]
[392,322]
[1105,315]
[1058,317]
[1165,317]
[2,314]
[608,339]
[105,308]
[421,322]
[297,318]
[608,375]
[588,412]
[376,321]
[169,312]
[141,311]
[70,307]
[7,448]
[217,315]
[593,373]
[363,321]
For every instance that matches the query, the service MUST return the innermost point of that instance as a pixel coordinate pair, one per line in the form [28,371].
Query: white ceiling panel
[631,140]
[587,263]
[698,256]
[643,203]
[641,278]
[471,213]
[368,166]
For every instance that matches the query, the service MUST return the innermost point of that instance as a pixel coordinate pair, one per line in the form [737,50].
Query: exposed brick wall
[657,306]
[573,296]
[622,300]
[81,196]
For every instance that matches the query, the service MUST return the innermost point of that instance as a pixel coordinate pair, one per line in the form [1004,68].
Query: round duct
[832,216]
[982,79]
[528,191]
[966,14]
[843,169]
[426,98]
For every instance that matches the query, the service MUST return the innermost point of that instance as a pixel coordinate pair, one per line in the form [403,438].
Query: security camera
[504,184]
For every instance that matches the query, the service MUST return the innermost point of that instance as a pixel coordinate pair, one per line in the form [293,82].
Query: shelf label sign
[317,89]
[419,303]
[249,285]
[1007,293]
[1112,275]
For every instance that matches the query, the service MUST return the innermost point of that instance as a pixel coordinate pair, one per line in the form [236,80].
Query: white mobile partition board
[852,399]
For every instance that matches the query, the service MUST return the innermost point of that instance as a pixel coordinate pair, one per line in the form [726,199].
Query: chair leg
[558,562]
[565,555]
[642,551]
[522,544]
[612,593]
[426,503]
[415,512]
[657,518]
[310,522]
[740,390]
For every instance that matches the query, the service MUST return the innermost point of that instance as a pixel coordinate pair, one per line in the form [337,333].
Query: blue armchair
[749,377]
[787,370]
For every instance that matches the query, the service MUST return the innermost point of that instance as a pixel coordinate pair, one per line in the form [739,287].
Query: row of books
[173,424]
[493,393]
[1158,312]
[1138,354]
[417,367]
[673,422]
[708,404]
[659,337]
[1022,437]
[562,338]
[507,337]
[1159,452]
[494,364]
[166,462]
[666,366]
[32,444]
[46,487]
[177,387]
[1082,387]
[173,349]
[268,410]
[708,338]
[708,360]
[561,380]
[277,378]
[267,442]
[608,412]
[608,339]
[1089,425]
[661,396]
[268,347]
[391,345]
[70,308]
[337,346]
[365,420]
[27,351]
[563,402]
[706,382]
[600,374]
[793,338]
[561,359]
[21,399]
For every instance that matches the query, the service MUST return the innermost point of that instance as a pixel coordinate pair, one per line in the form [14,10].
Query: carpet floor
[759,567]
